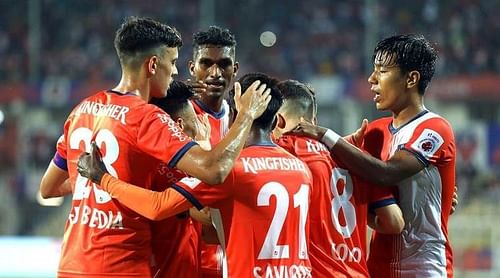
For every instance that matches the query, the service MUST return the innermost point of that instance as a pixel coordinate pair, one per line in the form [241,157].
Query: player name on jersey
[96,218]
[254,164]
[114,111]
[282,271]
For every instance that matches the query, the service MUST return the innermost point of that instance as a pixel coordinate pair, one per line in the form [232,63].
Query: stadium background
[53,53]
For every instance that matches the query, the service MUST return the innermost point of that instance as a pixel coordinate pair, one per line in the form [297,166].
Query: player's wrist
[330,138]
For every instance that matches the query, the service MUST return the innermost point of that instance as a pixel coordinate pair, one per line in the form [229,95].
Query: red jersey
[211,259]
[219,121]
[175,241]
[102,237]
[423,248]
[338,215]
[263,206]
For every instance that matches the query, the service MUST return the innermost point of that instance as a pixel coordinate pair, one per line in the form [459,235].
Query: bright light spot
[2,117]
[267,38]
[51,202]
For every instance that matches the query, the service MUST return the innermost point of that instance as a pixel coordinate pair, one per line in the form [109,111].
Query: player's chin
[215,93]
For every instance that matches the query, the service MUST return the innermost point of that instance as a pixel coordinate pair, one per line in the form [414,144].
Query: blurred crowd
[54,46]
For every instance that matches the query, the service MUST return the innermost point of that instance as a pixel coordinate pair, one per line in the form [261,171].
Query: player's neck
[258,136]
[407,114]
[132,85]
[213,103]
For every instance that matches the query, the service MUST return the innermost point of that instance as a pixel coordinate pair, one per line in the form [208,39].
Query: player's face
[215,66]
[388,83]
[165,71]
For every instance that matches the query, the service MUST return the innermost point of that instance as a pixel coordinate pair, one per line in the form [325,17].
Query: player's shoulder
[381,123]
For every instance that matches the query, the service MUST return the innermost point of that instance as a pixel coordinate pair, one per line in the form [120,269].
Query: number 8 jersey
[264,207]
[101,236]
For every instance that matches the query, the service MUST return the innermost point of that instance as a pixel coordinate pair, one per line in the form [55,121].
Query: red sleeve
[150,204]
[379,197]
[432,142]
[201,194]
[161,137]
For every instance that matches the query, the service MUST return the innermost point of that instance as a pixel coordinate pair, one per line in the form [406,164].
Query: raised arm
[213,166]
[384,173]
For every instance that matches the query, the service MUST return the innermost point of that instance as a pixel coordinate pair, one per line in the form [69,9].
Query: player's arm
[208,232]
[213,166]
[55,182]
[150,204]
[384,173]
[387,219]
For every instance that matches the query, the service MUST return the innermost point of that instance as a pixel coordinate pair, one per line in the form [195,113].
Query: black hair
[140,36]
[300,98]
[410,52]
[214,36]
[177,99]
[267,119]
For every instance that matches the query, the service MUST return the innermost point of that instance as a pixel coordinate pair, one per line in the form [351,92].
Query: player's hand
[307,129]
[454,201]
[203,131]
[254,101]
[91,166]
[358,136]
[199,87]
[203,128]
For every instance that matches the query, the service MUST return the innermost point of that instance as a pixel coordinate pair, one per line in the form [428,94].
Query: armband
[330,138]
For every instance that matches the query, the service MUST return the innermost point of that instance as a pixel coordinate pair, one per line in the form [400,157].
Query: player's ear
[236,67]
[191,68]
[180,122]
[412,79]
[152,65]
[281,122]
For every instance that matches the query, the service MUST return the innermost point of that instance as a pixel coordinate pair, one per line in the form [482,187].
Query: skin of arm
[213,166]
[383,173]
[387,220]
[55,182]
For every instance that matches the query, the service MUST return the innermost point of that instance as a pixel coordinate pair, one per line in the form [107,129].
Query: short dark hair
[140,36]
[177,99]
[215,36]
[410,52]
[300,97]
[266,120]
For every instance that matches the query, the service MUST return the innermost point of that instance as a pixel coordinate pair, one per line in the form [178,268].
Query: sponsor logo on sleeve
[428,143]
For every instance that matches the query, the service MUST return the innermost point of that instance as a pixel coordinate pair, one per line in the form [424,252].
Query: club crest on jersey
[428,143]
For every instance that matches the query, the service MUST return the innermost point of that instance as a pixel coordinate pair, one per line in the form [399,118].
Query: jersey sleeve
[201,194]
[150,204]
[61,155]
[379,197]
[159,136]
[432,142]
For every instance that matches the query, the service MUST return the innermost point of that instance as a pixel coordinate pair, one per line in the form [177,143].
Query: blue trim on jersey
[380,204]
[60,162]
[120,93]
[180,153]
[263,144]
[188,196]
[214,114]
[393,130]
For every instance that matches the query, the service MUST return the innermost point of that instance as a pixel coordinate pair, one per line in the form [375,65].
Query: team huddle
[204,178]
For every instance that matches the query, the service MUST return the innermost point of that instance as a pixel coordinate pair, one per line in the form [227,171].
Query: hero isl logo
[427,146]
